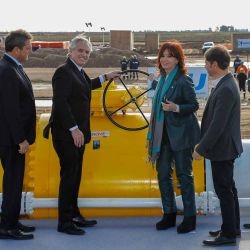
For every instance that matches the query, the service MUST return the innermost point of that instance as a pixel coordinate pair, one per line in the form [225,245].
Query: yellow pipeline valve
[135,91]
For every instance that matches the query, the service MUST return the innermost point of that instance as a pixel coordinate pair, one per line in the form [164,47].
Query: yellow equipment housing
[115,163]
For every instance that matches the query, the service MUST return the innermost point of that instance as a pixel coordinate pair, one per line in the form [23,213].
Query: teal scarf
[156,124]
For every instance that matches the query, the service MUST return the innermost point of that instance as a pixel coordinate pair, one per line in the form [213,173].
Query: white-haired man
[70,127]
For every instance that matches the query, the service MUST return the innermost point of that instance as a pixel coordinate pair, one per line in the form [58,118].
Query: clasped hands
[196,156]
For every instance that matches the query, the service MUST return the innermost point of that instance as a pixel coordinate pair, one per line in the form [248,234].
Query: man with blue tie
[17,131]
[70,128]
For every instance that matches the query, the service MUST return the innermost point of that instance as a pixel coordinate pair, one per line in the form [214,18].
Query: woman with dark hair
[173,133]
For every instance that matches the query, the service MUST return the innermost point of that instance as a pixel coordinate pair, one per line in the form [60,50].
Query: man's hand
[113,74]
[196,156]
[78,137]
[169,106]
[23,147]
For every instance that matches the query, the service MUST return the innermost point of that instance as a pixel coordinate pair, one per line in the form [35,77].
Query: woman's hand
[169,106]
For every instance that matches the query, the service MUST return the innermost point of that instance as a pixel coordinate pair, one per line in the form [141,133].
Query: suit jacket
[71,101]
[17,105]
[182,127]
[220,126]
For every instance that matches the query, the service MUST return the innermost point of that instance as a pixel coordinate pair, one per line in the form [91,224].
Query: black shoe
[220,240]
[166,222]
[25,229]
[247,226]
[216,233]
[80,221]
[15,234]
[69,228]
[188,225]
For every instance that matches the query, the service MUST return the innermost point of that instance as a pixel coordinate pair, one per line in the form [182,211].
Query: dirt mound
[34,62]
[101,58]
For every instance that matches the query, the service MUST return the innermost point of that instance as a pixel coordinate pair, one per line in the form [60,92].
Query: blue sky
[135,15]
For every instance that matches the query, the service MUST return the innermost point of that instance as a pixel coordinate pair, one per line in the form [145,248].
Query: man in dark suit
[221,142]
[17,130]
[70,127]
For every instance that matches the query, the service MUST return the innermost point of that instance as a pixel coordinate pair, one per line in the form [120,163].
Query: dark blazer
[182,127]
[220,126]
[71,101]
[17,105]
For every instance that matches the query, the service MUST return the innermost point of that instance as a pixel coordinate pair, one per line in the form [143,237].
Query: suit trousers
[224,185]
[71,158]
[13,165]
[183,167]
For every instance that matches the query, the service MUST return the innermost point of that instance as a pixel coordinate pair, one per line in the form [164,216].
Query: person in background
[136,65]
[248,82]
[241,77]
[237,63]
[221,142]
[70,128]
[17,131]
[124,67]
[173,133]
[242,66]
[131,67]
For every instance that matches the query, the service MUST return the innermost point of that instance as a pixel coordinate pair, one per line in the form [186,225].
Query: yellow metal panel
[117,169]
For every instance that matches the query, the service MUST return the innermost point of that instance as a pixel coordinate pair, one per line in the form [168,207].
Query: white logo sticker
[100,134]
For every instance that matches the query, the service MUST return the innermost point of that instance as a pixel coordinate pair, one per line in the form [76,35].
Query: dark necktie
[20,67]
[82,73]
[27,80]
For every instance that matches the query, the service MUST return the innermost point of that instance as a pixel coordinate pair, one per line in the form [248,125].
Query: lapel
[222,80]
[25,78]
[219,86]
[172,86]
[83,78]
[21,74]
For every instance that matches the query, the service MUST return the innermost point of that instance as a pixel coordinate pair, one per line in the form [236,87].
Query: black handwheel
[132,99]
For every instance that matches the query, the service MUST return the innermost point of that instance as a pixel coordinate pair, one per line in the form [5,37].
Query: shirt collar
[216,81]
[14,59]
[78,67]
